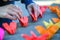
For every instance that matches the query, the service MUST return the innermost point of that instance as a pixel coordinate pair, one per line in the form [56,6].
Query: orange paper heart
[51,30]
[58,12]
[55,20]
[53,8]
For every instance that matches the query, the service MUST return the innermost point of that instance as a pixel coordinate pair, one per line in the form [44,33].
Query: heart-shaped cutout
[34,37]
[33,16]
[13,27]
[1,34]
[23,21]
[55,20]
[10,28]
[42,10]
[51,30]
[53,8]
[58,12]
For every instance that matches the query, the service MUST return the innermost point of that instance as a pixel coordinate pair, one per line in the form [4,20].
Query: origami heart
[23,21]
[26,37]
[42,10]
[10,28]
[58,12]
[34,37]
[33,16]
[53,8]
[40,29]
[1,34]
[51,30]
[55,20]
[43,37]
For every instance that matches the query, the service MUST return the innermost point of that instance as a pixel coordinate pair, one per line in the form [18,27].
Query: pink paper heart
[42,10]
[1,34]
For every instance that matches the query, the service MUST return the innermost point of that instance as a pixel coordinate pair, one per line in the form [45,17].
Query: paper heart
[23,21]
[55,20]
[42,10]
[53,8]
[33,16]
[1,34]
[10,28]
[43,37]
[58,13]
[34,37]
[40,29]
[51,30]
[13,27]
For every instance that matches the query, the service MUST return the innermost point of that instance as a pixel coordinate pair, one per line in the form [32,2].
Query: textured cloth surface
[17,36]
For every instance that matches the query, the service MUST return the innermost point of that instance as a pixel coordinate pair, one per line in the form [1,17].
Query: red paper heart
[24,21]
[42,10]
[33,16]
[10,28]
[34,37]
[13,27]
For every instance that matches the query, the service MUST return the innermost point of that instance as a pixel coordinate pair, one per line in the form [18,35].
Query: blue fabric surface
[17,36]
